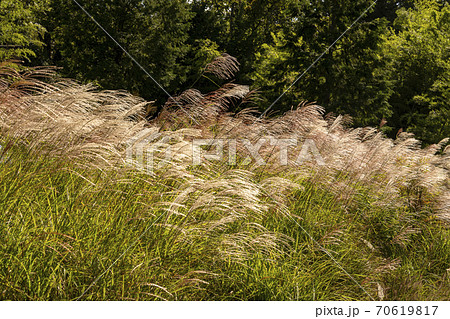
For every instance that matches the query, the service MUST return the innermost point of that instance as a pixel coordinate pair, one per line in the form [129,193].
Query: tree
[417,51]
[242,27]
[154,32]
[19,30]
[345,79]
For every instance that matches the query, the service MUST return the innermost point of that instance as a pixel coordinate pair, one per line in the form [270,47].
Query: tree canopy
[417,52]
[19,28]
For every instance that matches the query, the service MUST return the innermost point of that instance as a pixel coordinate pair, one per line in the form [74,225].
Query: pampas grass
[73,202]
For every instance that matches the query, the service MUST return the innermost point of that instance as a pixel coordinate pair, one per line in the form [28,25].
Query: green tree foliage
[417,49]
[243,28]
[388,8]
[345,79]
[19,31]
[154,32]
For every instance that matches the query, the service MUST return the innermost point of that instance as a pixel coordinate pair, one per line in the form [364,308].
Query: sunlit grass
[61,227]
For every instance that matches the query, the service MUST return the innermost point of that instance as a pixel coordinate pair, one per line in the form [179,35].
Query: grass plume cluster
[71,204]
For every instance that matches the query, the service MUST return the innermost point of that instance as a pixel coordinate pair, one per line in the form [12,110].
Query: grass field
[77,221]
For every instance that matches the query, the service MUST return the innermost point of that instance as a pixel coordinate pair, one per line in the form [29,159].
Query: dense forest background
[392,69]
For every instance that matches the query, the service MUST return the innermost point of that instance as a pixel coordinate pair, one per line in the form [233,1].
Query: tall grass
[77,221]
